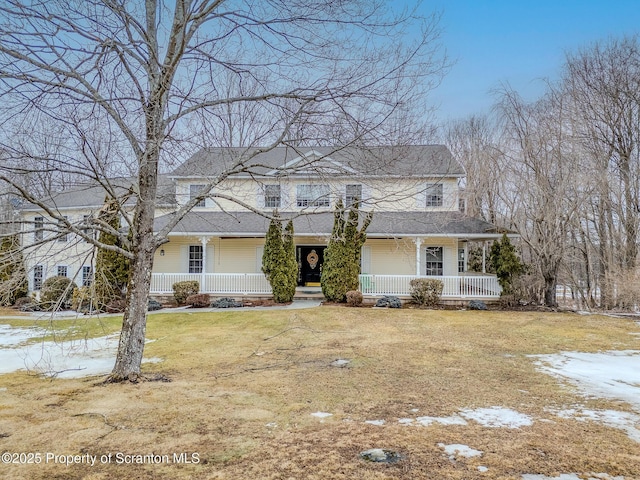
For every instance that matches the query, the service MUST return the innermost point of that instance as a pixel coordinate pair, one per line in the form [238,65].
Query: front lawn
[245,385]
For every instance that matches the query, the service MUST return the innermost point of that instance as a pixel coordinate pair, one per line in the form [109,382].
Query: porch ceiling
[383,225]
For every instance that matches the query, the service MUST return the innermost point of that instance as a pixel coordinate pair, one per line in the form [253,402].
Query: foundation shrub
[354,298]
[183,290]
[199,300]
[56,293]
[425,291]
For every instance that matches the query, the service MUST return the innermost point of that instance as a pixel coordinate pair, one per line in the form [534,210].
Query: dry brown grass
[9,312]
[245,383]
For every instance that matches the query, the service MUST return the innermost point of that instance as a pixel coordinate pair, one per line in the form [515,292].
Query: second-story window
[434,195]
[194,191]
[38,228]
[62,270]
[272,197]
[62,227]
[313,196]
[353,195]
[86,229]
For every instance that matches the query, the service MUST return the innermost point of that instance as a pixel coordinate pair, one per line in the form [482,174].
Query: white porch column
[418,242]
[484,257]
[203,277]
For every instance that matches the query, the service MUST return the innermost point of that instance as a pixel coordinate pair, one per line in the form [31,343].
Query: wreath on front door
[312,258]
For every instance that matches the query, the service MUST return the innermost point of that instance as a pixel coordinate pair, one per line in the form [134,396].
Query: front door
[310,260]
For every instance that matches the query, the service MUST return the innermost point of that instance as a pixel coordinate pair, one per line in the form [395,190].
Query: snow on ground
[10,336]
[498,417]
[622,420]
[459,450]
[65,359]
[321,414]
[614,375]
[452,420]
[378,423]
[572,476]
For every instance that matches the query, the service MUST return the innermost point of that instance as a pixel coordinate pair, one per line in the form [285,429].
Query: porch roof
[383,225]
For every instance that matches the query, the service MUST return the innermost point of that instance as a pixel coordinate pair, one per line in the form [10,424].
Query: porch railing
[370,285]
[223,283]
[454,287]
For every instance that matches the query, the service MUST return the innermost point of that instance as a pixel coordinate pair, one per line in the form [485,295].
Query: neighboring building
[417,227]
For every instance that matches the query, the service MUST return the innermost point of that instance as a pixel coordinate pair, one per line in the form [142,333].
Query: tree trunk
[550,284]
[134,322]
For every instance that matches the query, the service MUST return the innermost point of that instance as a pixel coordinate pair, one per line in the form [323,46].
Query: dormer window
[194,191]
[434,195]
[313,196]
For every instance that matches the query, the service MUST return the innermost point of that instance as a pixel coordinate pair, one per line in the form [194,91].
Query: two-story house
[417,227]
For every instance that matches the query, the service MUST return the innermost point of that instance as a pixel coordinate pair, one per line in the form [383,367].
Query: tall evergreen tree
[506,263]
[291,267]
[13,276]
[112,268]
[279,260]
[342,256]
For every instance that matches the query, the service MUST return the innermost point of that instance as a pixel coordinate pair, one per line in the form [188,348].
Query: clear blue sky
[519,42]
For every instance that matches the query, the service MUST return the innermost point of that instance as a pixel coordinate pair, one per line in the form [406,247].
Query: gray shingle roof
[411,160]
[384,224]
[93,196]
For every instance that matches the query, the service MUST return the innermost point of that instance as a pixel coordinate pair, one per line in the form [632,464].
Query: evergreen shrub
[82,300]
[183,290]
[56,292]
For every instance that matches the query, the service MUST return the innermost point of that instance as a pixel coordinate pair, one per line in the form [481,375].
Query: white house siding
[389,194]
[392,257]
[398,256]
[74,253]
[236,255]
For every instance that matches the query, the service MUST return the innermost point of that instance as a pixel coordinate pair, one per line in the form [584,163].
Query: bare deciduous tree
[603,82]
[97,88]
[542,168]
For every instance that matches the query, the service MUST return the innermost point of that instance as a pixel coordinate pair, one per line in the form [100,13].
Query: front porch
[468,287]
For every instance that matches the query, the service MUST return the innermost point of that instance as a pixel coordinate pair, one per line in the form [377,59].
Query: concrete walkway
[69,314]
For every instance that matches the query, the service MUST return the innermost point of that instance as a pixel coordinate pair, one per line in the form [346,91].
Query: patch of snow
[622,420]
[564,476]
[612,375]
[406,421]
[340,363]
[497,417]
[321,414]
[483,469]
[452,420]
[572,476]
[10,336]
[68,359]
[378,423]
[460,450]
